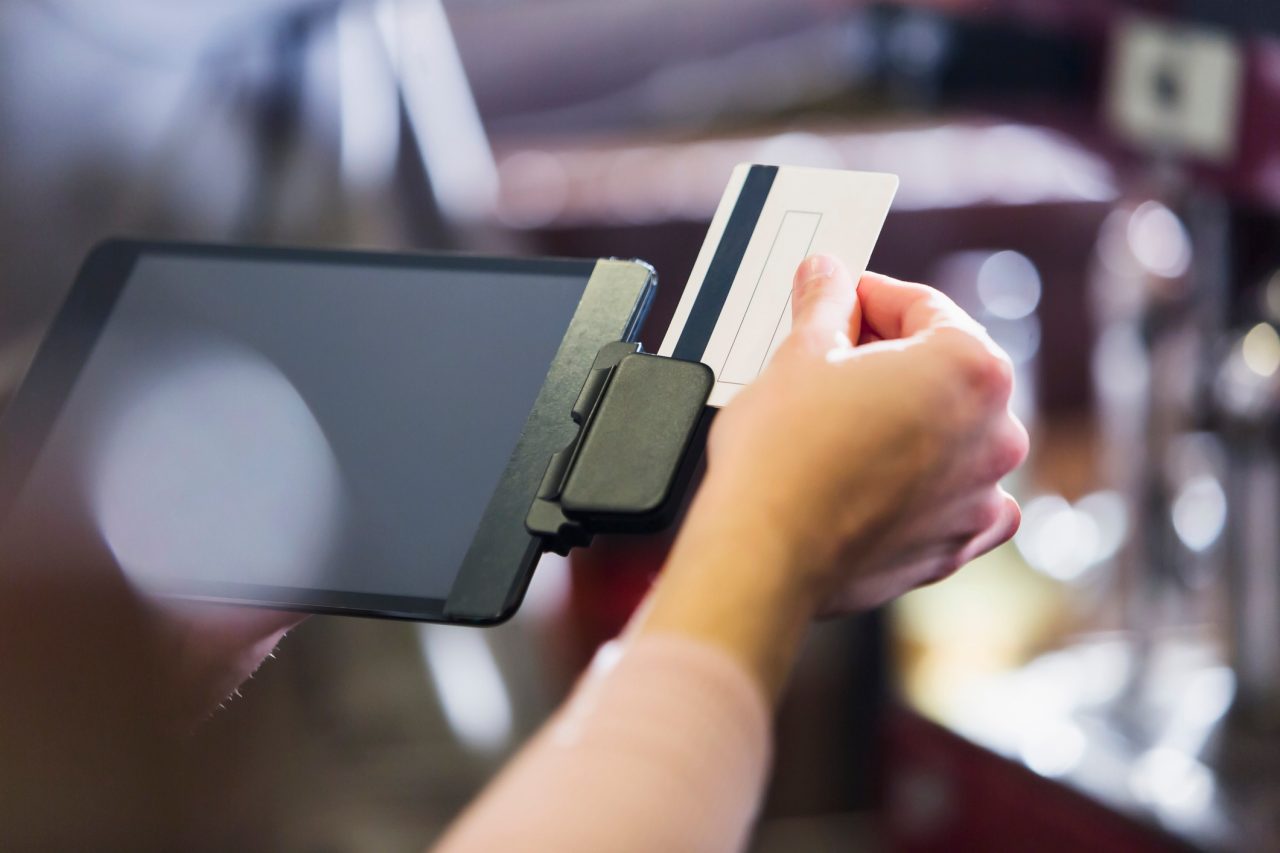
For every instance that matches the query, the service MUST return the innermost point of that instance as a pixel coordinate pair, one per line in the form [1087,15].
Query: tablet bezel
[501,558]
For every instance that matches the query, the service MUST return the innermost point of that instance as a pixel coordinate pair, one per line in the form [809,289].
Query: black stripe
[724,264]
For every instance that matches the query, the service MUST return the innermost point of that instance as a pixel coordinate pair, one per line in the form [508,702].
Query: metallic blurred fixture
[1147,367]
[1189,412]
[1247,395]
[439,106]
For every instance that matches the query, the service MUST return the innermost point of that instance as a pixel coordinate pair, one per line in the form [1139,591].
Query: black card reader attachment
[627,469]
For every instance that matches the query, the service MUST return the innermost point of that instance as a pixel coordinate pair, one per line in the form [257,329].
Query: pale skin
[864,462]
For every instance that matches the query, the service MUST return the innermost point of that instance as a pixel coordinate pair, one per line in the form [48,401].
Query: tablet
[326,431]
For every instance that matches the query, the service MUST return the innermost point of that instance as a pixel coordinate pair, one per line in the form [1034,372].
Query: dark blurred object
[929,60]
[943,793]
[577,66]
[1246,19]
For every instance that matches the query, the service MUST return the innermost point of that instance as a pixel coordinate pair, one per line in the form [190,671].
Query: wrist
[785,542]
[738,585]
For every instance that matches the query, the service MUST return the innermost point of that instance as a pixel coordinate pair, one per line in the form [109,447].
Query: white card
[736,307]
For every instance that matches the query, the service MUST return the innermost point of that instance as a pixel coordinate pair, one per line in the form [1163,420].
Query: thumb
[824,305]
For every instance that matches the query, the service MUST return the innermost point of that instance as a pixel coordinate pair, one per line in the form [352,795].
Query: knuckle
[1016,444]
[989,512]
[984,368]
[1007,449]
[936,301]
[1002,374]
[962,349]
[945,568]
[991,374]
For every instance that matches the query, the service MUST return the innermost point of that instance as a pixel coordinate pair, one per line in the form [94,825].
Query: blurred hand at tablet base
[865,461]
[214,649]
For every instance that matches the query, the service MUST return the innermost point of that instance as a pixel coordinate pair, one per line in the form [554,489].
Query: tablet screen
[293,424]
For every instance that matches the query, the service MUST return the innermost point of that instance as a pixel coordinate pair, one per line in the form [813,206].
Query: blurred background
[1097,181]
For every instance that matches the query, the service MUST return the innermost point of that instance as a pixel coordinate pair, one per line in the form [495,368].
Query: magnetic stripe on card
[724,264]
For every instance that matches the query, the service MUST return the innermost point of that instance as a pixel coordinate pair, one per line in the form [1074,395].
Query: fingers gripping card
[736,306]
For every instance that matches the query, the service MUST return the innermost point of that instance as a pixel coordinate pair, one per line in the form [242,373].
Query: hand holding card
[735,309]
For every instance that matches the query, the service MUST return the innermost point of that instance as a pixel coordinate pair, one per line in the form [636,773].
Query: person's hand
[213,649]
[874,442]
[863,462]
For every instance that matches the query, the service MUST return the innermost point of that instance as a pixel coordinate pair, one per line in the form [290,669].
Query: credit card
[736,306]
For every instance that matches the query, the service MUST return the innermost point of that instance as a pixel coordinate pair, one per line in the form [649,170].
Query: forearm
[829,488]
[663,746]
[666,747]
[210,650]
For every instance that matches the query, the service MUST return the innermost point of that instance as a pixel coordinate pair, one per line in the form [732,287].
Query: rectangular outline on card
[755,289]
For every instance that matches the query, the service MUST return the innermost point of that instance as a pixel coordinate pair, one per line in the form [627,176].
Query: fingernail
[815,266]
